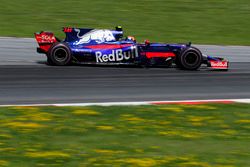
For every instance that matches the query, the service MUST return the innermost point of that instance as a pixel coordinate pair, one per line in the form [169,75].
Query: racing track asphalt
[25,79]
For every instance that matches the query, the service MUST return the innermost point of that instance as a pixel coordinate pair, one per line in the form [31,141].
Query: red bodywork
[219,64]
[159,54]
[108,46]
[67,29]
[45,40]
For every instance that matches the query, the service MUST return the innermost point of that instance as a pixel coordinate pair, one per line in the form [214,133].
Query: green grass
[164,135]
[204,22]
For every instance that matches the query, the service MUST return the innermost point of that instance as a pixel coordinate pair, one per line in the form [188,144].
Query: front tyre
[59,54]
[189,59]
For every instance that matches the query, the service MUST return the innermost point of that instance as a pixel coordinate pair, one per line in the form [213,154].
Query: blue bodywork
[104,46]
[107,46]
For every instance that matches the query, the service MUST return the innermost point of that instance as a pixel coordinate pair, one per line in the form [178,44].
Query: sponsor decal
[115,55]
[67,29]
[45,38]
[219,64]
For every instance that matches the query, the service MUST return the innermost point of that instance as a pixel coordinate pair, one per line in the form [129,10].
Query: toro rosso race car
[103,46]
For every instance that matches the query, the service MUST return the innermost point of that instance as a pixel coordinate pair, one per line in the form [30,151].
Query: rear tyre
[189,59]
[59,54]
[49,62]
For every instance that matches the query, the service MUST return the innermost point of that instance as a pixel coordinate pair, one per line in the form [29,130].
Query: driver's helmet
[118,28]
[119,33]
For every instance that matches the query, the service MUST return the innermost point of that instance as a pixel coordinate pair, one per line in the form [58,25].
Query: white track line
[137,103]
[242,100]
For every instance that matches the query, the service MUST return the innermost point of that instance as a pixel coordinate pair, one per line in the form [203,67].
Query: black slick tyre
[59,54]
[189,59]
[49,62]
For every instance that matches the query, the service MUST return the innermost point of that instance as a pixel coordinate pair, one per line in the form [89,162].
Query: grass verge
[204,22]
[164,135]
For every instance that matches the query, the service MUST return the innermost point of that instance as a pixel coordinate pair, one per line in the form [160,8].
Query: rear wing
[45,40]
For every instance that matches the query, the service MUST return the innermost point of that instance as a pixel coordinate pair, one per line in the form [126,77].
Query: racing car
[104,46]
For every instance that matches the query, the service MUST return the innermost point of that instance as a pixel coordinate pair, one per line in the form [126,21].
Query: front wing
[217,63]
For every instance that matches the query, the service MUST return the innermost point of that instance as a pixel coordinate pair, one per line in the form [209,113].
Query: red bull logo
[114,56]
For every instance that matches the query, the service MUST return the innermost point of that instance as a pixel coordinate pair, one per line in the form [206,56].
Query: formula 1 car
[103,46]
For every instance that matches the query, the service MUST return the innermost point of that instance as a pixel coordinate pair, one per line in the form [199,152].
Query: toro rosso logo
[115,55]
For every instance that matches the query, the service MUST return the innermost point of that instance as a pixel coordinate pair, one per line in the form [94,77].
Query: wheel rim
[191,58]
[60,54]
